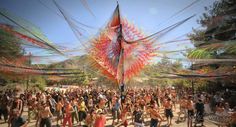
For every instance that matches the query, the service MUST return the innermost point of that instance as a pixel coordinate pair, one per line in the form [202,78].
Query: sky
[148,15]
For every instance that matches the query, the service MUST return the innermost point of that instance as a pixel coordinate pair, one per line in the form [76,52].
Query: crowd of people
[90,106]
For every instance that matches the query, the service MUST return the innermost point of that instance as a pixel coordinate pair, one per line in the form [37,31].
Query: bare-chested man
[155,116]
[16,104]
[59,111]
[45,115]
[182,108]
[190,107]
[168,111]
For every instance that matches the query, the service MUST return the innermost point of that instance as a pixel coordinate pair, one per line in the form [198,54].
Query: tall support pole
[192,81]
[28,78]
[121,59]
[192,86]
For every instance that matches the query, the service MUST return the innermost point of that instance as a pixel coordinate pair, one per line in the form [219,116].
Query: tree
[39,82]
[163,68]
[10,49]
[78,76]
[9,45]
[217,39]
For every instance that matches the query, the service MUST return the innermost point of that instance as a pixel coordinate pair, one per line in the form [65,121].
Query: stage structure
[121,50]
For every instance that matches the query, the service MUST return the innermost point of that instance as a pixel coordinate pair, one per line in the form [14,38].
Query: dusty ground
[109,122]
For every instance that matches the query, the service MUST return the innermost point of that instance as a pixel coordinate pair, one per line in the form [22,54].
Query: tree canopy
[216,40]
[9,45]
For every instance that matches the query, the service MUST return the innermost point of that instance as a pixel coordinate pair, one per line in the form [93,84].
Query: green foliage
[219,8]
[80,75]
[197,37]
[199,54]
[10,48]
[219,23]
[165,66]
[102,80]
[217,39]
[38,81]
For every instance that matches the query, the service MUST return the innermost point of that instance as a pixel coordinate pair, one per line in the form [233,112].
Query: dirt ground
[109,121]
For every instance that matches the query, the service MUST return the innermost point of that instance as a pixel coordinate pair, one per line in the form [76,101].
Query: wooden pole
[28,78]
[121,58]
